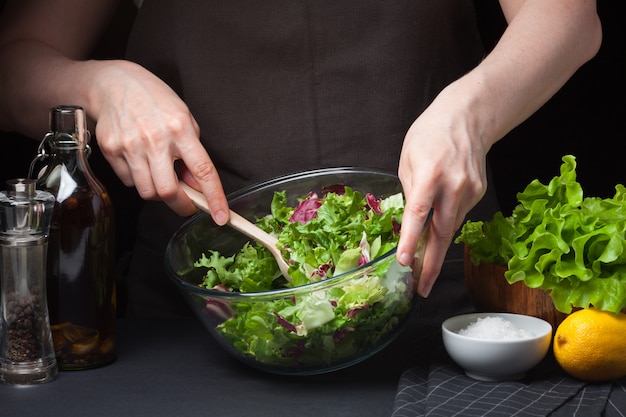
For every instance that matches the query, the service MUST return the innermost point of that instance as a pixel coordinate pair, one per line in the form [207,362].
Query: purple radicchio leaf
[322,271]
[365,250]
[338,189]
[340,334]
[396,226]
[373,203]
[294,352]
[353,311]
[285,323]
[306,209]
[218,308]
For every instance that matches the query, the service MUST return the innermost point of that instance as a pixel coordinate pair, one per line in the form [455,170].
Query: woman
[239,91]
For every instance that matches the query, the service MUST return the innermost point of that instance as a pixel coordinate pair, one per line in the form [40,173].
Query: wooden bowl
[489,291]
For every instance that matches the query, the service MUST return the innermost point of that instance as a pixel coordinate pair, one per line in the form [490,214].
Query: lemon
[590,345]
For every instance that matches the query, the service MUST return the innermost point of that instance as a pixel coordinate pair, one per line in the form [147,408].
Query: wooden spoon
[243,225]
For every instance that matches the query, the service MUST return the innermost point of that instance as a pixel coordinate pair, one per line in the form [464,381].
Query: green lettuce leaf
[557,240]
[348,230]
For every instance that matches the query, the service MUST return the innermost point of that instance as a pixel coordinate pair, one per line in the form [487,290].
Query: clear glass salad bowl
[309,329]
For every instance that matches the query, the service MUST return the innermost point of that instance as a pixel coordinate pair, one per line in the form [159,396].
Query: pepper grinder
[26,350]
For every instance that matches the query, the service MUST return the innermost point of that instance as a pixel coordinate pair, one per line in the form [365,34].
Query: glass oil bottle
[81,256]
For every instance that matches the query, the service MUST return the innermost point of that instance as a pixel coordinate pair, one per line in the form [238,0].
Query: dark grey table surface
[175,368]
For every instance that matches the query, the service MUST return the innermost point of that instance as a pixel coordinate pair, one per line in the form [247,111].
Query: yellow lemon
[591,345]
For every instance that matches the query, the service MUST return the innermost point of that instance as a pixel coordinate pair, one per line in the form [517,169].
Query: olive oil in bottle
[81,247]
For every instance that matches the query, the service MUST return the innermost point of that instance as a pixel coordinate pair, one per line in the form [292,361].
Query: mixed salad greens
[571,246]
[322,237]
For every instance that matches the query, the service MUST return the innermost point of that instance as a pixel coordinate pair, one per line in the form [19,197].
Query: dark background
[586,119]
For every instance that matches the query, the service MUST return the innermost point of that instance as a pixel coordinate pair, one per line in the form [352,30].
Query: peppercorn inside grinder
[26,351]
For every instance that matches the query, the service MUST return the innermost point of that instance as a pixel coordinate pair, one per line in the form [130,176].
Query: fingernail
[405,259]
[424,291]
[220,218]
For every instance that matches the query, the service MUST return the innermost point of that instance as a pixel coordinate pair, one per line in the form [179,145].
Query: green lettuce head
[557,240]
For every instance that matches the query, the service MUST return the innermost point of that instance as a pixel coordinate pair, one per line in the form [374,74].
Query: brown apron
[280,86]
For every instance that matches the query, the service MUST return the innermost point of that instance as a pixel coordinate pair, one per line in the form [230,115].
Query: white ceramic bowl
[497,359]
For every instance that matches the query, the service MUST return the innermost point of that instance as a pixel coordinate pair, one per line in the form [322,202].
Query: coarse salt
[494,328]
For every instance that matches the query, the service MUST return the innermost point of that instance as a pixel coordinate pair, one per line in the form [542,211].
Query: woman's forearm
[543,46]
[36,79]
[44,46]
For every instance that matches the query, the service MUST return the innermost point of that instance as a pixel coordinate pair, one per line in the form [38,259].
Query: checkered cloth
[440,388]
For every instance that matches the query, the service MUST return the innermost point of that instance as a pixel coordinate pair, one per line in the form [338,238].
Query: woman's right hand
[143,128]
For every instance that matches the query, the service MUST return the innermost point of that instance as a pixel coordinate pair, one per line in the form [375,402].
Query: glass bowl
[251,326]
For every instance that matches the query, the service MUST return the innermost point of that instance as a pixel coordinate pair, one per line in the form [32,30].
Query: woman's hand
[443,167]
[443,160]
[143,128]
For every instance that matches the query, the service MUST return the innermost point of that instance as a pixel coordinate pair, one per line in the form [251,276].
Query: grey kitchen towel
[440,388]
